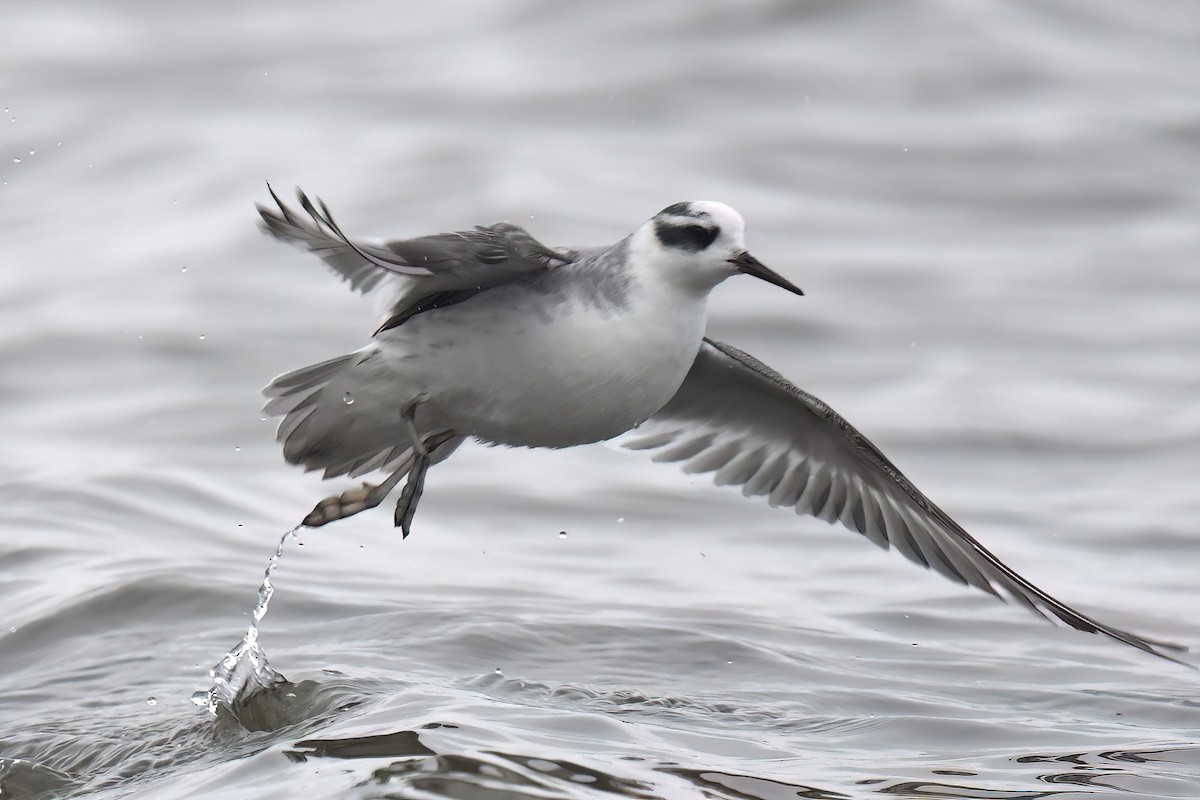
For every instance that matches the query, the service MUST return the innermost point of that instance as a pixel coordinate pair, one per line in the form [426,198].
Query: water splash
[244,671]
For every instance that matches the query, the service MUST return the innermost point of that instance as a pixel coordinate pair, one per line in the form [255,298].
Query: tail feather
[307,377]
[380,460]
[336,418]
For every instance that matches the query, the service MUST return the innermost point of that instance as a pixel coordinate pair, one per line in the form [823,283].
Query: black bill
[744,262]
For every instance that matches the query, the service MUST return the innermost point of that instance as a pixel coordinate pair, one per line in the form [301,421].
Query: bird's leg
[352,501]
[406,506]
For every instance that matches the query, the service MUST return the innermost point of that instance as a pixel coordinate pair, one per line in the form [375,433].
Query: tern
[488,334]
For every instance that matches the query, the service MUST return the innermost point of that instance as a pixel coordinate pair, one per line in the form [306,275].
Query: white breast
[541,377]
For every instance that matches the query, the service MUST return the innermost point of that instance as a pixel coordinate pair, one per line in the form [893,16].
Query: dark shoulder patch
[690,237]
[428,303]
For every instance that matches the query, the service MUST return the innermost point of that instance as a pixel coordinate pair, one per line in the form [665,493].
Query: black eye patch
[692,238]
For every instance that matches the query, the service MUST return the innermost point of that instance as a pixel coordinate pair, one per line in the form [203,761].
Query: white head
[698,244]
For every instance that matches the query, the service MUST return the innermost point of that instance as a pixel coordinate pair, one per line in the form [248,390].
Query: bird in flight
[491,335]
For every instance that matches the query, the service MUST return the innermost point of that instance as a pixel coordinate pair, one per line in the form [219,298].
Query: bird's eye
[690,237]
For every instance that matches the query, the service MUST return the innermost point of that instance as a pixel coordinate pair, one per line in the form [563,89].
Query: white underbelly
[536,382]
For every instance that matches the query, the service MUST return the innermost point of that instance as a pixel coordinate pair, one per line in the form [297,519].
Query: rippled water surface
[993,207]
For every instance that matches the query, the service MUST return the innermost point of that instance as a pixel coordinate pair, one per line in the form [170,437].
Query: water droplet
[183,269]
[498,672]
[201,698]
[237,449]
[13,629]
[348,399]
[58,145]
[16,160]
[151,701]
[32,152]
[562,534]
[620,519]
[203,337]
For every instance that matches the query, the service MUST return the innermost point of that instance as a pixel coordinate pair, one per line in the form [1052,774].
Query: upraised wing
[738,418]
[418,274]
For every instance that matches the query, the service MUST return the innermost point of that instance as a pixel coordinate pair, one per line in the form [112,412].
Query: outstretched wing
[740,419]
[417,274]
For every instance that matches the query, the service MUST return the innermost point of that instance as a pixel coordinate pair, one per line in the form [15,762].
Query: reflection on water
[930,789]
[411,764]
[410,761]
[746,787]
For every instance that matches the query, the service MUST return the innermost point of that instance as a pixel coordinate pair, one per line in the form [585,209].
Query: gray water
[994,208]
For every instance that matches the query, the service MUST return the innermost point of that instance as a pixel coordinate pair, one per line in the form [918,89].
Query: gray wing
[738,418]
[418,274]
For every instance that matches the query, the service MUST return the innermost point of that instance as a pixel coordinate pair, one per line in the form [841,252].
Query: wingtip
[307,204]
[274,218]
[1156,648]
